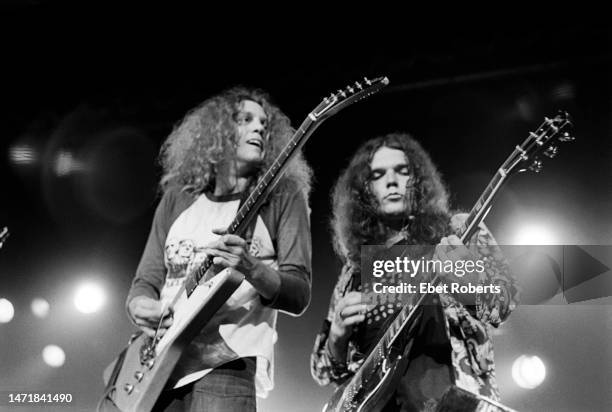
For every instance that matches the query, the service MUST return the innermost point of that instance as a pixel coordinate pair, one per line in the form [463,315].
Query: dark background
[107,86]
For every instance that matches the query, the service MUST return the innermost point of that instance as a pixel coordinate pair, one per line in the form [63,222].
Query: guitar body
[140,381]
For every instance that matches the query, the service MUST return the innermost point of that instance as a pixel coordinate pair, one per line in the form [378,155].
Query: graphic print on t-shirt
[184,250]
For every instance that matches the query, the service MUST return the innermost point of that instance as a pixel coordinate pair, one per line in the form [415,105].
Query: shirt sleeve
[323,366]
[294,253]
[151,271]
[492,307]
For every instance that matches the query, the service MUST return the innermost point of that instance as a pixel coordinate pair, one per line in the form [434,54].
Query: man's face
[252,122]
[390,180]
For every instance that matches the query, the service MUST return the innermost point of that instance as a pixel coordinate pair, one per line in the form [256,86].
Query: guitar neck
[475,217]
[270,179]
[482,206]
[485,201]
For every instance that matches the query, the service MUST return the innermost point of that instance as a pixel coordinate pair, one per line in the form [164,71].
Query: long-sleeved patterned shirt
[463,350]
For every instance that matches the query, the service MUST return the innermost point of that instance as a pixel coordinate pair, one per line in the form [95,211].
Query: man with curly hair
[210,160]
[391,193]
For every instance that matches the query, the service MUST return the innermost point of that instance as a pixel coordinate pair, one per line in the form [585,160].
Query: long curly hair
[207,135]
[356,220]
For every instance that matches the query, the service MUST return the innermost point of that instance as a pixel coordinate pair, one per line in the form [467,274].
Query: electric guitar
[140,373]
[374,383]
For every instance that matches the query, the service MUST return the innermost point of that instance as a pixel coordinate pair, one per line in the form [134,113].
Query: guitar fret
[483,199]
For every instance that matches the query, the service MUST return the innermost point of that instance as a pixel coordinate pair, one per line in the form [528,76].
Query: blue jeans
[227,388]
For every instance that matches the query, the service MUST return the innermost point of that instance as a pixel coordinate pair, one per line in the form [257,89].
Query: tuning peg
[566,137]
[563,116]
[367,81]
[536,166]
[551,151]
[350,89]
[341,93]
[358,85]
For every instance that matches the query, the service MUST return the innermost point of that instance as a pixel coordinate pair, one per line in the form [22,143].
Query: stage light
[40,307]
[66,163]
[89,298]
[53,356]
[534,234]
[528,371]
[22,155]
[6,311]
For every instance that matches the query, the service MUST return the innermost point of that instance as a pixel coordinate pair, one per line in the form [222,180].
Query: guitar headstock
[544,141]
[349,95]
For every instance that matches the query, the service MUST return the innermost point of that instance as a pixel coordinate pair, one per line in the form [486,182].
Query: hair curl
[208,134]
[356,220]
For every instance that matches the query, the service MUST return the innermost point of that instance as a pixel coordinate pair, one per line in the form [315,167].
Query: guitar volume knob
[138,376]
[536,166]
[128,387]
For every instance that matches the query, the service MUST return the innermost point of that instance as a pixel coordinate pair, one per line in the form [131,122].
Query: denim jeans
[227,388]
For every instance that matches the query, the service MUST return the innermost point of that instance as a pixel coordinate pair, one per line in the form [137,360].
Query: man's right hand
[350,311]
[147,312]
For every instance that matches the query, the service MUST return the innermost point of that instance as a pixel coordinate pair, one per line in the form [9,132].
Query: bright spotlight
[89,298]
[22,155]
[534,235]
[6,311]
[66,163]
[40,307]
[53,356]
[528,371]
